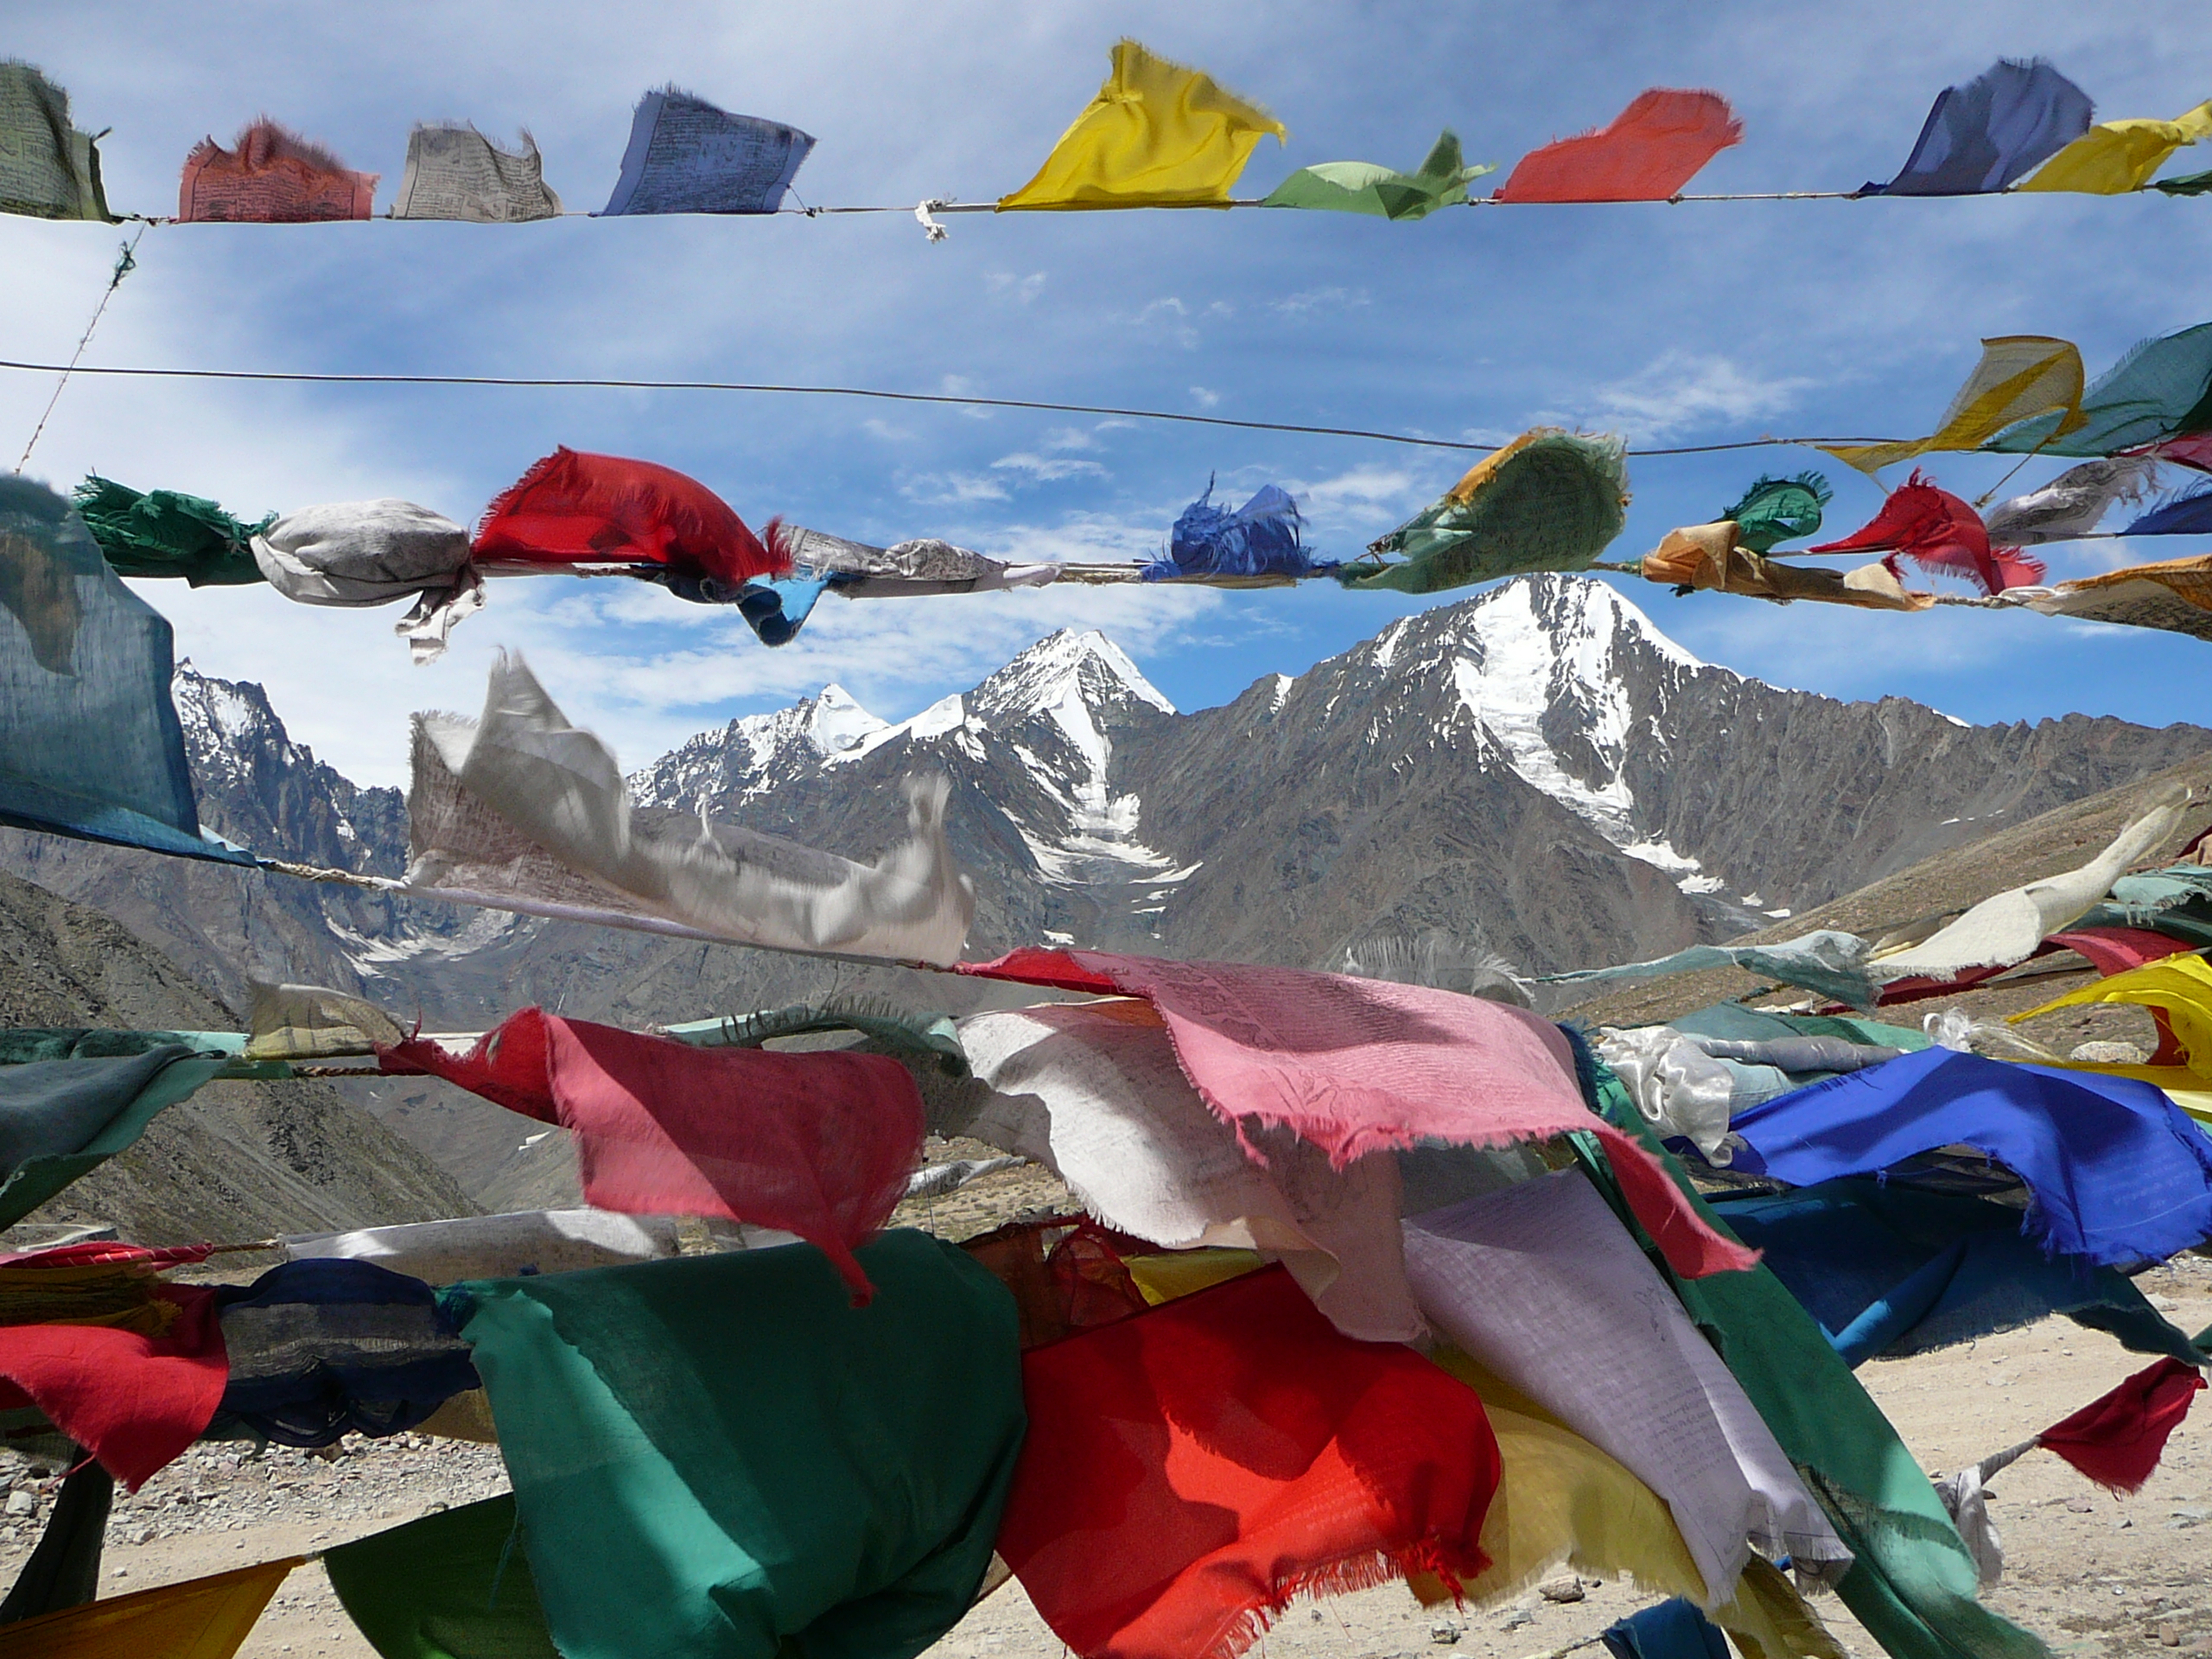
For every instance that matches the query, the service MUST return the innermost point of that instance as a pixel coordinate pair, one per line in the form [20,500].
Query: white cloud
[1205,398]
[1682,392]
[1046,469]
[1023,290]
[1332,298]
[950,489]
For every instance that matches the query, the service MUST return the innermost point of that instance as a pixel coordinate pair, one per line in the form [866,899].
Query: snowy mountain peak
[1081,664]
[838,722]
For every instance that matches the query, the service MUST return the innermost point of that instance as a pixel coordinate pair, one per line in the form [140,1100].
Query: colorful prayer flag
[2114,156]
[2019,376]
[1653,148]
[2117,1439]
[1938,531]
[456,172]
[273,177]
[687,157]
[1442,181]
[47,169]
[2161,390]
[1981,135]
[199,1618]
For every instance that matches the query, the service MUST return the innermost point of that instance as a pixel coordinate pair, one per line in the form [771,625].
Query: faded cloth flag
[47,169]
[2114,156]
[1549,500]
[819,1144]
[1360,1065]
[1157,135]
[1260,538]
[59,1120]
[199,1618]
[1938,531]
[1442,181]
[687,157]
[1191,1471]
[496,1247]
[522,811]
[1093,1092]
[2161,390]
[1776,510]
[2072,503]
[456,172]
[1829,963]
[574,508]
[2019,376]
[90,745]
[1653,148]
[720,1457]
[2175,595]
[273,177]
[1981,135]
[1705,557]
[168,533]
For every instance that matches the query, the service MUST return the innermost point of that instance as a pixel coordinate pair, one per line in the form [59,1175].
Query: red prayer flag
[273,177]
[1653,149]
[2118,1439]
[1189,1471]
[1360,1065]
[1939,532]
[136,1402]
[820,1145]
[573,508]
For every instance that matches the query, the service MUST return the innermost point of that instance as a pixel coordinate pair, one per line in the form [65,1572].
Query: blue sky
[1673,325]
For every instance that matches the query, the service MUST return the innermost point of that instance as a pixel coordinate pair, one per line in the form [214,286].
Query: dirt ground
[2091,1573]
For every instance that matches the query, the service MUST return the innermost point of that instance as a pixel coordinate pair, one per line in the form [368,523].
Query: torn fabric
[1828,963]
[1442,181]
[1653,148]
[1541,1285]
[687,157]
[1157,135]
[2185,515]
[1260,538]
[452,1583]
[1939,533]
[1981,135]
[1191,1471]
[2020,377]
[48,169]
[1776,510]
[1356,1065]
[2072,503]
[2161,390]
[272,177]
[496,1247]
[456,172]
[575,508]
[1549,500]
[521,810]
[2115,156]
[2174,595]
[1093,1091]
[1705,557]
[166,533]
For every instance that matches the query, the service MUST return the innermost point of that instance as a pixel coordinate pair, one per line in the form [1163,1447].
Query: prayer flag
[496,1247]
[2072,503]
[199,1618]
[59,1120]
[273,177]
[573,508]
[1777,510]
[1706,556]
[47,169]
[2161,390]
[456,172]
[2019,376]
[1549,500]
[1653,148]
[166,533]
[1938,531]
[687,157]
[1981,135]
[2185,515]
[454,1584]
[1259,539]
[2117,1439]
[1191,1471]
[2114,156]
[1157,135]
[1825,961]
[1442,181]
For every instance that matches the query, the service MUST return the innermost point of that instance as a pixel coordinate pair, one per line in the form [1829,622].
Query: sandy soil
[2091,1573]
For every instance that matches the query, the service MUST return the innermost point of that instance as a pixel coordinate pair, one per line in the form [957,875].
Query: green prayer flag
[1776,510]
[1914,1583]
[451,1586]
[166,533]
[59,1120]
[1381,192]
[720,1456]
[2188,184]
[47,169]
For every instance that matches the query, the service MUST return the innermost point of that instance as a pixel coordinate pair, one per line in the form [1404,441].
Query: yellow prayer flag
[201,1618]
[2019,376]
[1157,135]
[2116,156]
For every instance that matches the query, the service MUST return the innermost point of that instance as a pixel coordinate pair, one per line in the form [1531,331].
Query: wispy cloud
[1205,397]
[1023,290]
[1310,300]
[1045,469]
[1682,392]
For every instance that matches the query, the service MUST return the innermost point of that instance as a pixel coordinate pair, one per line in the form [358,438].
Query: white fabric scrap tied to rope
[355,553]
[522,811]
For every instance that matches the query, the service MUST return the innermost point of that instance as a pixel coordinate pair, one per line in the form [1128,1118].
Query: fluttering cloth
[47,168]
[1066,1275]
[274,176]
[1888,1270]
[718,1456]
[2118,1439]
[687,157]
[456,172]
[2175,595]
[1941,532]
[135,1402]
[166,533]
[59,1120]
[2072,503]
[1157,135]
[1094,1092]
[2019,376]
[522,811]
[451,1586]
[360,552]
[2118,1173]
[1673,1630]
[924,565]
[199,1618]
[1915,1581]
[2185,515]
[1828,962]
[819,1145]
[496,1247]
[1360,1065]
[90,745]
[1981,135]
[2162,389]
[1260,539]
[319,1348]
[1191,1471]
[1653,148]
[1541,1285]
[1777,510]
[1549,500]
[1442,181]
[2114,156]
[574,508]
[1707,557]
[2008,927]
[1683,1092]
